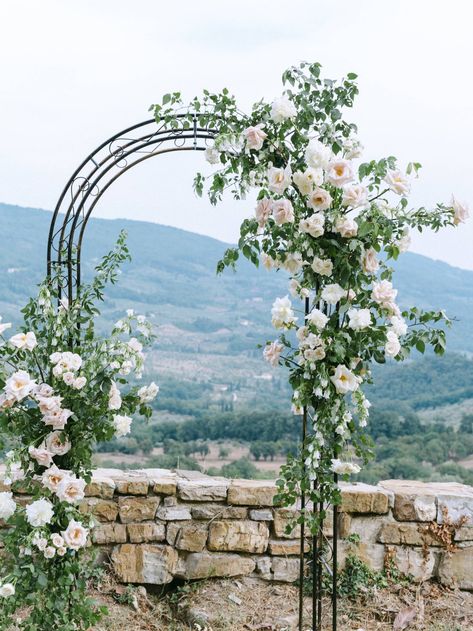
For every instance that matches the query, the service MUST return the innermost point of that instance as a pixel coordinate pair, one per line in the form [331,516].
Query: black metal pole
[334,561]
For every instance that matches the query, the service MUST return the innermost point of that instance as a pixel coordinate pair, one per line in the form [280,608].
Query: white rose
[306,180]
[40,542]
[314,354]
[333,293]
[324,267]
[263,211]
[346,226]
[7,505]
[42,456]
[57,540]
[398,324]
[19,385]
[279,179]
[393,345]
[61,552]
[319,199]
[57,444]
[313,225]
[384,294]
[272,352]
[293,262]
[122,425]
[282,109]
[344,468]
[49,552]
[148,393]
[71,490]
[79,383]
[57,419]
[7,590]
[135,345]
[460,211]
[397,182]
[130,313]
[317,155]
[52,477]
[4,326]
[255,137]
[359,318]
[68,378]
[339,172]
[283,212]
[6,401]
[24,341]
[352,148]
[355,196]
[48,403]
[268,261]
[369,261]
[344,380]
[44,390]
[212,155]
[114,397]
[317,318]
[282,313]
[75,535]
[296,290]
[39,513]
[57,370]
[55,358]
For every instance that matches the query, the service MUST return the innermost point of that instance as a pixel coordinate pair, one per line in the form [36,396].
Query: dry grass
[253,605]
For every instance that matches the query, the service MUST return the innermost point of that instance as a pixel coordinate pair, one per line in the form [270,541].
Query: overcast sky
[74,72]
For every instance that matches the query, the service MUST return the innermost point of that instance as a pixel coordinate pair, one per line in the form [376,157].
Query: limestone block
[456,569]
[162,481]
[146,532]
[109,533]
[413,501]
[202,489]
[238,536]
[135,508]
[263,567]
[372,554]
[457,505]
[206,565]
[144,563]
[174,513]
[465,533]
[364,498]
[188,536]
[261,514]
[415,562]
[251,492]
[134,486]
[285,570]
[367,527]
[100,486]
[406,534]
[286,547]
[283,517]
[103,510]
[218,511]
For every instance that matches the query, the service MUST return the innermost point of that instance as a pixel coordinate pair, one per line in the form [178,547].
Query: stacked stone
[156,525]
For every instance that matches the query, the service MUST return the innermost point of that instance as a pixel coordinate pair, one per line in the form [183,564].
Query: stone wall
[155,525]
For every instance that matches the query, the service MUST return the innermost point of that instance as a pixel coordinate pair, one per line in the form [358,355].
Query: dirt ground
[253,605]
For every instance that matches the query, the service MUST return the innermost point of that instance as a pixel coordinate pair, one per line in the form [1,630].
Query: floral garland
[334,223]
[55,404]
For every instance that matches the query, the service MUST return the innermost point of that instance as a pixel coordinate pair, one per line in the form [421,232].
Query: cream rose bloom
[7,505]
[314,354]
[52,477]
[114,397]
[79,383]
[392,346]
[324,267]
[75,535]
[397,182]
[68,378]
[255,137]
[148,393]
[317,318]
[71,489]
[359,319]
[344,468]
[398,324]
[282,315]
[319,199]
[355,196]
[282,109]
[49,552]
[19,385]
[317,155]
[293,262]
[283,211]
[7,590]
[369,261]
[344,380]
[4,326]
[122,424]
[404,243]
[263,211]
[384,294]
[57,540]
[460,211]
[339,172]
[333,293]
[58,418]
[313,225]
[279,179]
[346,227]
[212,155]
[42,456]
[57,443]
[39,513]
[308,179]
[24,341]
[272,352]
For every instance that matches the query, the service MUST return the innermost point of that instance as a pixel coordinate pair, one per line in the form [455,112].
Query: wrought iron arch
[80,196]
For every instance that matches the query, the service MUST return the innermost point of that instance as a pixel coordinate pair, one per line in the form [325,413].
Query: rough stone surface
[100,486]
[251,493]
[261,514]
[102,510]
[406,534]
[144,563]
[137,508]
[146,532]
[413,501]
[286,547]
[133,487]
[206,565]
[414,562]
[174,513]
[363,498]
[456,505]
[202,489]
[285,570]
[109,533]
[457,569]
[241,536]
[465,533]
[372,554]
[283,517]
[218,511]
[190,536]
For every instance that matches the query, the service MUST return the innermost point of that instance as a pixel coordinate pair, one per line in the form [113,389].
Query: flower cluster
[333,222]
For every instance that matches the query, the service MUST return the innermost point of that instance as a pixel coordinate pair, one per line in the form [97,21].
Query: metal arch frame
[92,178]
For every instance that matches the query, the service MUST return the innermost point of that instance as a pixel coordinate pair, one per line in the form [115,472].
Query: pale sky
[75,72]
